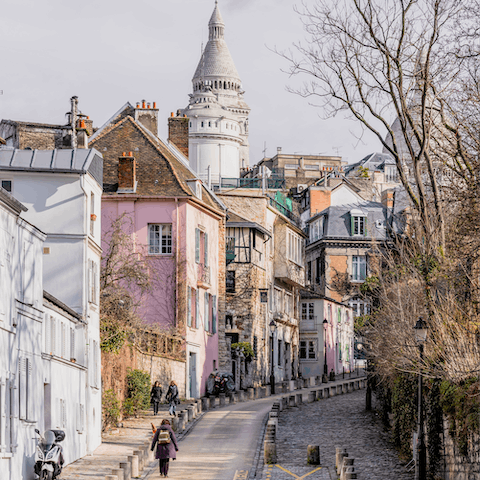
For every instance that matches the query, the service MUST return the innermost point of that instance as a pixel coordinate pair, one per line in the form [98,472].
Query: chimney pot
[171,114]
[124,154]
[130,154]
[148,105]
[184,115]
[154,104]
[143,103]
[138,104]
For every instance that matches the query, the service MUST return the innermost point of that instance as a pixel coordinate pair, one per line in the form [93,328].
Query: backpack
[164,437]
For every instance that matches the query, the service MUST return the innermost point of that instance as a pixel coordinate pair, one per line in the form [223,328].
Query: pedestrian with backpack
[167,446]
[172,398]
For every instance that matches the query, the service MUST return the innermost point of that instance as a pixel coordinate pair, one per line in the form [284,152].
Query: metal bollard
[313,455]
[127,472]
[133,461]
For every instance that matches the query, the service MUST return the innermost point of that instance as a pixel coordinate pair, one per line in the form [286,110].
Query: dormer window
[196,187]
[358,221]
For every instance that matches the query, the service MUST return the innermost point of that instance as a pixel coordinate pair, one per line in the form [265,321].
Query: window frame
[359,267]
[160,246]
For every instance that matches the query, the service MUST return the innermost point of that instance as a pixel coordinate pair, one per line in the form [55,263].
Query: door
[192,375]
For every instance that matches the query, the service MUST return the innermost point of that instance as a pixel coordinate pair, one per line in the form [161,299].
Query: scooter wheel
[45,475]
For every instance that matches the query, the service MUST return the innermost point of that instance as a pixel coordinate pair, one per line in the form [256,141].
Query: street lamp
[273,327]
[421,328]
[325,366]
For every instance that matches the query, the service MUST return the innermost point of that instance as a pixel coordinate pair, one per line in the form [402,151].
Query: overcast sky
[108,52]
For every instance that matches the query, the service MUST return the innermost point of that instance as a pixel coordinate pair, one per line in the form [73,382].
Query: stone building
[264,275]
[217,113]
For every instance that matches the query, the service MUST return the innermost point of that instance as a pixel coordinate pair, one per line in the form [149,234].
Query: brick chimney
[127,179]
[82,134]
[178,131]
[320,199]
[147,114]
[388,197]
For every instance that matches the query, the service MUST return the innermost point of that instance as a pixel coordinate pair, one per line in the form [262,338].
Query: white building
[21,316]
[217,112]
[62,190]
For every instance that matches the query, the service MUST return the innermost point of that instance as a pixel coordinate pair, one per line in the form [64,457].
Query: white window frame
[359,266]
[308,309]
[309,345]
[158,234]
[295,248]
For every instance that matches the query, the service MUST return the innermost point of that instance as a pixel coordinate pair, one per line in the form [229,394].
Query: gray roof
[374,162]
[54,161]
[337,221]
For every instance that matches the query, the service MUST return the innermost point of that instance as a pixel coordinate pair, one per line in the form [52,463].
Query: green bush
[245,348]
[138,392]
[110,409]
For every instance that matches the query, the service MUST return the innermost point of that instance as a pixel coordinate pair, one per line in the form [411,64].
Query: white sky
[108,52]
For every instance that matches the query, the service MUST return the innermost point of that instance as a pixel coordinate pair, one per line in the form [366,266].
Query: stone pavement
[339,421]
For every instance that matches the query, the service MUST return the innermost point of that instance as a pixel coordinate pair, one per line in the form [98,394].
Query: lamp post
[273,327]
[325,366]
[421,328]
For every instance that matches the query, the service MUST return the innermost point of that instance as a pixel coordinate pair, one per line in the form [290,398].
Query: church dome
[216,61]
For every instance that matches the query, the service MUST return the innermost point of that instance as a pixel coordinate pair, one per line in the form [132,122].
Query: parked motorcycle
[49,454]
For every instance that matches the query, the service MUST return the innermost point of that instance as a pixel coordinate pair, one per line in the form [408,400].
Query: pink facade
[184,276]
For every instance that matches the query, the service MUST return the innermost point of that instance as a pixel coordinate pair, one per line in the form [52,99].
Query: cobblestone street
[340,421]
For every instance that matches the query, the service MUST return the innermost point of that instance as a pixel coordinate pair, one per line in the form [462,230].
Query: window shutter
[352,225]
[197,308]
[72,344]
[29,390]
[23,387]
[365,226]
[53,335]
[206,249]
[206,313]
[28,273]
[95,284]
[197,245]
[189,307]
[48,334]
[3,415]
[63,340]
[214,314]
[89,288]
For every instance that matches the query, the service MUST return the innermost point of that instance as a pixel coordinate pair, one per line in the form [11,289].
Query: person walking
[167,446]
[156,396]
[172,398]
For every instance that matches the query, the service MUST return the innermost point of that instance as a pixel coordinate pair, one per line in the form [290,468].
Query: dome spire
[216,25]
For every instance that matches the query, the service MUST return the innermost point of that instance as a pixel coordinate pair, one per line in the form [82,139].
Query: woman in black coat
[156,396]
[165,451]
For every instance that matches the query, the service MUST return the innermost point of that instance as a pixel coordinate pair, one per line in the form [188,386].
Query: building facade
[217,112]
[265,272]
[178,226]
[62,192]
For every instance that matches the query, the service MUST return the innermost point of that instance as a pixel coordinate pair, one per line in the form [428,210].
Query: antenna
[264,149]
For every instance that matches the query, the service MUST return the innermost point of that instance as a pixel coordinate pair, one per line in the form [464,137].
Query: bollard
[339,454]
[339,389]
[119,473]
[319,394]
[311,397]
[345,388]
[313,455]
[350,473]
[175,425]
[181,421]
[305,383]
[284,403]
[127,472]
[326,392]
[204,404]
[299,398]
[263,392]
[268,390]
[346,463]
[291,401]
[241,396]
[333,391]
[318,380]
[140,457]
[270,452]
[231,398]
[198,406]
[133,461]
[356,384]
[212,402]
[190,411]
[111,477]
[221,400]
[250,393]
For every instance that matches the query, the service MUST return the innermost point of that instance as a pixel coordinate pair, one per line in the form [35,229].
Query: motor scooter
[49,454]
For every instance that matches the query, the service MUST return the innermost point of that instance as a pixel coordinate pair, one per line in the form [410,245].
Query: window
[279,353]
[26,392]
[28,273]
[308,349]
[230,282]
[316,230]
[359,268]
[255,346]
[277,300]
[92,214]
[93,282]
[229,321]
[201,247]
[288,304]
[159,239]
[189,307]
[202,124]
[7,185]
[358,222]
[390,174]
[309,272]
[94,364]
[307,311]
[294,248]
[318,269]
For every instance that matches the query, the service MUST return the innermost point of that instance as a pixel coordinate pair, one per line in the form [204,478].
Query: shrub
[245,348]
[138,392]
[110,409]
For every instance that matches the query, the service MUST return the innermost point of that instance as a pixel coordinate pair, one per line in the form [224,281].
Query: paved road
[338,421]
[222,444]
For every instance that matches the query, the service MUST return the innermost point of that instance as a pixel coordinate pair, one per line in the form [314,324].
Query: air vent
[46,250]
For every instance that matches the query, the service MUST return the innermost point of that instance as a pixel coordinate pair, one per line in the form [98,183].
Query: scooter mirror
[37,431]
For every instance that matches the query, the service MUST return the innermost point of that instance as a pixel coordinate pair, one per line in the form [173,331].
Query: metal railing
[203,273]
[284,210]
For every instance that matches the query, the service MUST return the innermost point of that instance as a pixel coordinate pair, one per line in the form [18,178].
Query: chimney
[127,181]
[147,116]
[320,199]
[388,198]
[178,131]
[82,135]
[73,119]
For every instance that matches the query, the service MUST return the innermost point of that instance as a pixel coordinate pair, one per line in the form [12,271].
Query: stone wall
[115,367]
[458,467]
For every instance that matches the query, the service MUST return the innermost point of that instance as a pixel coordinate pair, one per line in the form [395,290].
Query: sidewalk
[117,446]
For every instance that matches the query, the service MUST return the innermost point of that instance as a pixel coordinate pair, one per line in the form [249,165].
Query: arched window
[225,85]
[215,84]
[209,124]
[202,124]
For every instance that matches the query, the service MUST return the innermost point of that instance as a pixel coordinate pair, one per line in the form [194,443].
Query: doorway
[192,375]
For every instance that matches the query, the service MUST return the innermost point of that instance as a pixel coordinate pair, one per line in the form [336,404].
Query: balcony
[203,276]
[309,324]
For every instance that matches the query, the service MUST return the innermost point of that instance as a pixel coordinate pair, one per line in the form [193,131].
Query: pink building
[178,225]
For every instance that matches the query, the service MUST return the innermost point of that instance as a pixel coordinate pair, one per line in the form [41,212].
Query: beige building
[265,271]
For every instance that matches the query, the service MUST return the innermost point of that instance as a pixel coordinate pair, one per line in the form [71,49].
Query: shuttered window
[197,245]
[47,334]
[214,314]
[206,320]
[80,417]
[189,306]
[3,415]
[25,368]
[53,335]
[28,273]
[72,344]
[197,308]
[205,246]
[63,340]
